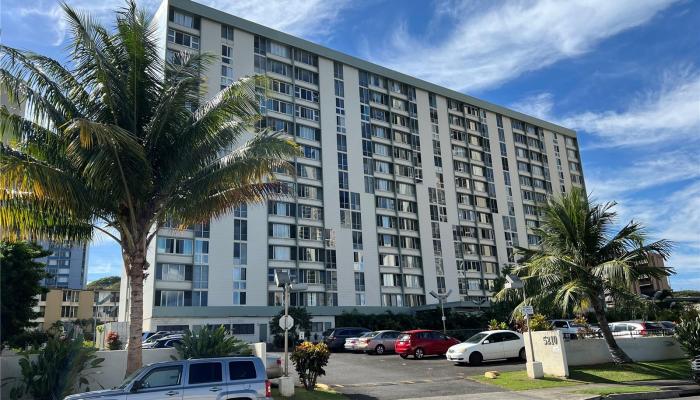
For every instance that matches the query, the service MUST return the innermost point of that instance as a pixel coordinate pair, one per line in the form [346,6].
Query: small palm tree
[581,261]
[118,141]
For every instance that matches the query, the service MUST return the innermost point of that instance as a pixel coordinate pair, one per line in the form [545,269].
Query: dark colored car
[336,339]
[421,342]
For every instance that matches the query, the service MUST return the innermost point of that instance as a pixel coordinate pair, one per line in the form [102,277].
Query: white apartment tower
[404,187]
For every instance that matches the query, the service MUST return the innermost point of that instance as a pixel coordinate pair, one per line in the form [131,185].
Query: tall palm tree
[118,141]
[581,260]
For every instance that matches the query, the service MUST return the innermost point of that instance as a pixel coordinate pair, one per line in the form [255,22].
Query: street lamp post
[534,368]
[283,280]
[441,297]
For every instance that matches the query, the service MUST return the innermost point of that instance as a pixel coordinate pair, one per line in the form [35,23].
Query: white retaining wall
[595,351]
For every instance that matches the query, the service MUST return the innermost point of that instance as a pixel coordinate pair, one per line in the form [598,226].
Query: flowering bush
[309,360]
[113,342]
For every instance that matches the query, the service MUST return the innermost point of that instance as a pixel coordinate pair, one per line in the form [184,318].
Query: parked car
[352,344]
[637,328]
[273,366]
[378,342]
[669,326]
[150,341]
[570,329]
[421,342]
[488,345]
[336,339]
[202,379]
[167,341]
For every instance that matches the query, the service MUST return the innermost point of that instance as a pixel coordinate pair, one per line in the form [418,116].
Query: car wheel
[475,358]
[379,349]
[522,354]
[418,353]
[404,356]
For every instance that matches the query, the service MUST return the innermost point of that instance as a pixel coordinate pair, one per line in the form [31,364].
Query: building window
[172,298]
[183,39]
[200,298]
[171,272]
[167,245]
[200,277]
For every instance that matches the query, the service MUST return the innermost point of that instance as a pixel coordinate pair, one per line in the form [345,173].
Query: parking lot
[390,377]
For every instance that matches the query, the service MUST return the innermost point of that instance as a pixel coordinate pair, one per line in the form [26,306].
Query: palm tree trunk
[618,355]
[136,265]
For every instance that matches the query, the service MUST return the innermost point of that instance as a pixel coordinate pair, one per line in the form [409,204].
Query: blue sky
[625,74]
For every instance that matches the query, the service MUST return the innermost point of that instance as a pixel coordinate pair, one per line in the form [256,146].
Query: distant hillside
[107,283]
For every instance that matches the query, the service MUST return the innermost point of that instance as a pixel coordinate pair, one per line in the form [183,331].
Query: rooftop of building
[322,51]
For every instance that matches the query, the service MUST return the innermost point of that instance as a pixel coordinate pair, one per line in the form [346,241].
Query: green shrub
[309,360]
[28,340]
[538,322]
[494,325]
[688,335]
[58,371]
[211,342]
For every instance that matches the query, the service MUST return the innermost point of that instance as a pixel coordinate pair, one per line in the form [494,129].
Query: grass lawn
[604,373]
[320,393]
[643,371]
[604,391]
[518,380]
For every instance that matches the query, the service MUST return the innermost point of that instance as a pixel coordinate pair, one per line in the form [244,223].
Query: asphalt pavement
[389,377]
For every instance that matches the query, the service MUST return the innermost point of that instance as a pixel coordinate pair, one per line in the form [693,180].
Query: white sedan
[488,345]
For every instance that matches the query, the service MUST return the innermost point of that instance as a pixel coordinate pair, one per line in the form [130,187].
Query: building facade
[64,305]
[67,265]
[403,187]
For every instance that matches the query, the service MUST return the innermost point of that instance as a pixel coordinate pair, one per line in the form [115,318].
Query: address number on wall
[550,340]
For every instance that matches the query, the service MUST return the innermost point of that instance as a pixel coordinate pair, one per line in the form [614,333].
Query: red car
[421,342]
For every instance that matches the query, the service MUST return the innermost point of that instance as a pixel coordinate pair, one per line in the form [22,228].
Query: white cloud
[307,18]
[656,170]
[539,105]
[670,113]
[489,44]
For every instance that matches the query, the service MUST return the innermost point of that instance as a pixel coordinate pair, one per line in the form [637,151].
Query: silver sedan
[379,343]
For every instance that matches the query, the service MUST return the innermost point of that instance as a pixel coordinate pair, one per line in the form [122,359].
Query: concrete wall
[548,350]
[595,351]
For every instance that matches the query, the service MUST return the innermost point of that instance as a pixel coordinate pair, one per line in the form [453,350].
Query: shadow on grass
[614,373]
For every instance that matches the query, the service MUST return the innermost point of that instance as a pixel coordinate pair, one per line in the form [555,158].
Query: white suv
[201,379]
[569,328]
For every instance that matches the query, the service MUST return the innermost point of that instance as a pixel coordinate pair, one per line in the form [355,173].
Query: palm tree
[118,141]
[581,261]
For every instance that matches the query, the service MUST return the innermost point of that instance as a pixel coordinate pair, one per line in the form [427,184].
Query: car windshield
[404,336]
[130,378]
[476,338]
[369,334]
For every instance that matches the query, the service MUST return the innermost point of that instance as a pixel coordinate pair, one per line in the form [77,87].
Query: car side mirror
[135,387]
[485,342]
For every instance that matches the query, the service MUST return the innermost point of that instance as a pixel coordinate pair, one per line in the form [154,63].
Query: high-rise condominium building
[404,187]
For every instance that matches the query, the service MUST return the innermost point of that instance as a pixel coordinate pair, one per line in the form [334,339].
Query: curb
[664,394]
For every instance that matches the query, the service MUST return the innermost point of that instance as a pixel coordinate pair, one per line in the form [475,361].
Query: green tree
[106,283]
[118,140]
[302,323]
[19,285]
[581,260]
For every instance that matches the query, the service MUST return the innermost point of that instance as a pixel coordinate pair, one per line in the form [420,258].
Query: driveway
[389,377]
